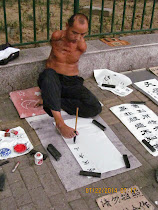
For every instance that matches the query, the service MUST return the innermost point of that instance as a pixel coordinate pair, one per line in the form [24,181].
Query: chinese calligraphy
[141,121]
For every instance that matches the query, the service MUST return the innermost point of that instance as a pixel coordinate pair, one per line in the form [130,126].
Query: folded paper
[105,76]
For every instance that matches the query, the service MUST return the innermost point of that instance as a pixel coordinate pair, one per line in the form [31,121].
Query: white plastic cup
[38,158]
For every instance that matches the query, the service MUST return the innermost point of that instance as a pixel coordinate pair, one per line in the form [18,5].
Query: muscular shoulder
[82,46]
[57,35]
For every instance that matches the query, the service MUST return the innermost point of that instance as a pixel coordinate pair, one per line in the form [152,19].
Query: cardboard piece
[114,42]
[125,199]
[24,101]
[154,70]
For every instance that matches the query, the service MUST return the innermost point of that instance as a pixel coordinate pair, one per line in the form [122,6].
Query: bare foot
[39,103]
[66,131]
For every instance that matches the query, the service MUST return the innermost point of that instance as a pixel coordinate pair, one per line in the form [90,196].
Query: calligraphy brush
[76,123]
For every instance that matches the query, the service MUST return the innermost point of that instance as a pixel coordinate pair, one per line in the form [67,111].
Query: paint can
[38,158]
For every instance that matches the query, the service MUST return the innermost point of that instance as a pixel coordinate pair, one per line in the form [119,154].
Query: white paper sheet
[7,52]
[141,122]
[7,143]
[149,88]
[93,150]
[105,76]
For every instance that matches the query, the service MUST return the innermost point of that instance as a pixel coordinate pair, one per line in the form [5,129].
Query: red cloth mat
[24,101]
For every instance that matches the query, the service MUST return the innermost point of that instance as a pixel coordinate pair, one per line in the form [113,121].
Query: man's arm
[82,46]
[56,36]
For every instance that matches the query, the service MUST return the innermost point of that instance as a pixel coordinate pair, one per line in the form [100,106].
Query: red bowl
[20,148]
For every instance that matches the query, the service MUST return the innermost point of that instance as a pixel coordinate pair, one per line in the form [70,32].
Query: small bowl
[20,148]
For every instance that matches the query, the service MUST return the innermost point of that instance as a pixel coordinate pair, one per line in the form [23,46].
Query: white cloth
[7,52]
[7,143]
[105,76]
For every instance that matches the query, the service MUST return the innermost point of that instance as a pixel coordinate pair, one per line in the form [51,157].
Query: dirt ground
[68,5]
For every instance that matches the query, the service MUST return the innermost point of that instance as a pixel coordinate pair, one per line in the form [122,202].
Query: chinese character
[155,90]
[152,122]
[140,125]
[145,132]
[148,139]
[145,116]
[155,146]
[91,169]
[116,199]
[86,162]
[147,84]
[135,192]
[122,108]
[125,196]
[135,105]
[122,83]
[105,202]
[133,119]
[135,208]
[106,78]
[142,204]
[141,110]
[77,148]
[81,155]
[128,113]
[156,128]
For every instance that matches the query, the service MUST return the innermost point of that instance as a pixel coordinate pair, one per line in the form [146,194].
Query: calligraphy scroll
[149,88]
[93,150]
[108,77]
[141,122]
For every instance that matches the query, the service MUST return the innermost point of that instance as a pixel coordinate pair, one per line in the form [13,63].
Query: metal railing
[126,16]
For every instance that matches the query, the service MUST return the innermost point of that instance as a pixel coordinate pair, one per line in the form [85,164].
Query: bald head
[81,18]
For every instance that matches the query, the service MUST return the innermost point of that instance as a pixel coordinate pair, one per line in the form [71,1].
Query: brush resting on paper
[76,124]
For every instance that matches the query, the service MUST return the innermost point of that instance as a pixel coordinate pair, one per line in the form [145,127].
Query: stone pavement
[39,187]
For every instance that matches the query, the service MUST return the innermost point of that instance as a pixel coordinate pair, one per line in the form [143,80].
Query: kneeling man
[61,87]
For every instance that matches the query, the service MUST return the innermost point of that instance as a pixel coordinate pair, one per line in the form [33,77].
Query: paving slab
[39,187]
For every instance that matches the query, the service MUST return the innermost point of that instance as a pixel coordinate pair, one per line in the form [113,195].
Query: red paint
[7,130]
[20,148]
[15,132]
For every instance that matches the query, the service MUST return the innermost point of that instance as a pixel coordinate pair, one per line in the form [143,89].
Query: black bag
[11,57]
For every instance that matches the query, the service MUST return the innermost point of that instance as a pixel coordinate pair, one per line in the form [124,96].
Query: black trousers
[67,92]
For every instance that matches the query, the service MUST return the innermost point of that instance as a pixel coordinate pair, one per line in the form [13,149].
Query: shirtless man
[60,85]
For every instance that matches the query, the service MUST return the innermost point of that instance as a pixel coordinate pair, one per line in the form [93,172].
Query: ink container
[38,158]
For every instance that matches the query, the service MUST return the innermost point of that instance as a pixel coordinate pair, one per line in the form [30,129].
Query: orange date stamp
[108,190]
